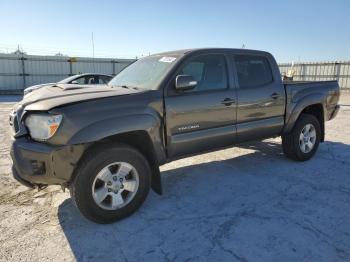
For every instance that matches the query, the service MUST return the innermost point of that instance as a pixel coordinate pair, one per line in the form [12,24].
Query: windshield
[67,80]
[146,73]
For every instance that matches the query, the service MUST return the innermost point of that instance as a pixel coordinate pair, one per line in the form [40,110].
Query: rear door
[261,97]
[204,117]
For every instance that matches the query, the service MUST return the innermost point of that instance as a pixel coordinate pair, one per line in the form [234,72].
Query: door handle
[228,101]
[275,96]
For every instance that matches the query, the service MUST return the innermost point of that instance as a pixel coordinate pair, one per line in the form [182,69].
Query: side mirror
[185,82]
[75,82]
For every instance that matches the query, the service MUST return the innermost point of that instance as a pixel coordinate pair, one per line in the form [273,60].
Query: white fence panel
[320,71]
[20,71]
[92,67]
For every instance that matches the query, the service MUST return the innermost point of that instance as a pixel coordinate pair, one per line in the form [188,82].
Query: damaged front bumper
[38,164]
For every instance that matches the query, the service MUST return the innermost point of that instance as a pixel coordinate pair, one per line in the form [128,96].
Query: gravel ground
[248,203]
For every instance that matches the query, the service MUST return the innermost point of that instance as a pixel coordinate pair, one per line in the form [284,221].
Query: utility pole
[93,50]
[93,44]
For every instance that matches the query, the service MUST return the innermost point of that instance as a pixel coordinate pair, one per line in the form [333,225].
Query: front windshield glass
[146,73]
[67,80]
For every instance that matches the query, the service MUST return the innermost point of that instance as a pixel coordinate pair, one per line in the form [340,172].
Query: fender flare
[112,126]
[298,106]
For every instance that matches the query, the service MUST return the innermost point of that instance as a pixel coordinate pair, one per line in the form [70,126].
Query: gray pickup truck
[106,144]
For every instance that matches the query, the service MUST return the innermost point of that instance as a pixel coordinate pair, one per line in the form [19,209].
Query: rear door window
[104,79]
[92,80]
[253,71]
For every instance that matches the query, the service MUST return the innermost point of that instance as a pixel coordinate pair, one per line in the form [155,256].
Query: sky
[309,30]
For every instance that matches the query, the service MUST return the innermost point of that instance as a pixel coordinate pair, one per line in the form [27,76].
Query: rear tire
[301,144]
[112,168]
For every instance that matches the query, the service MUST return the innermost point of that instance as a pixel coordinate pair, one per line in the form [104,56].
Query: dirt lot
[248,203]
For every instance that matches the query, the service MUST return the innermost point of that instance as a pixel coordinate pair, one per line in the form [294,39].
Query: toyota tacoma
[106,144]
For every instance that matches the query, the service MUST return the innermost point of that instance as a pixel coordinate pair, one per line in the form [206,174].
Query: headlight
[42,126]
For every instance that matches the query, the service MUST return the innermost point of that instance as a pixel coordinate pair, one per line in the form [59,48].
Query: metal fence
[319,71]
[20,71]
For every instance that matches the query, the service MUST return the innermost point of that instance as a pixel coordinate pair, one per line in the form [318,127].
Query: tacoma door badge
[188,127]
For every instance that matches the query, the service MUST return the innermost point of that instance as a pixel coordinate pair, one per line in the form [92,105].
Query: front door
[204,117]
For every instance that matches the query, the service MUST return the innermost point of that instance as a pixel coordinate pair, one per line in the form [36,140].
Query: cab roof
[193,50]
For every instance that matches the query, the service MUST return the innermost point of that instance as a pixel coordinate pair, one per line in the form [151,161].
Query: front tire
[302,142]
[111,183]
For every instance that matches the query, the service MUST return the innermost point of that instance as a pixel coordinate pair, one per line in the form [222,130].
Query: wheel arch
[141,141]
[142,132]
[316,110]
[314,105]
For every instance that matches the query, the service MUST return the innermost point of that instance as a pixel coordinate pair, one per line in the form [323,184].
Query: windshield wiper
[128,87]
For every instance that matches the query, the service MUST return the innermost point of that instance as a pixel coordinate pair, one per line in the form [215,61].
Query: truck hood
[49,97]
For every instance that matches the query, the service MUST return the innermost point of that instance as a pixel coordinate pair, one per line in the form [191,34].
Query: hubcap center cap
[116,186]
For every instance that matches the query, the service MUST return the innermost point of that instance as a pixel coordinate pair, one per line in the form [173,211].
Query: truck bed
[294,89]
[291,82]
[325,92]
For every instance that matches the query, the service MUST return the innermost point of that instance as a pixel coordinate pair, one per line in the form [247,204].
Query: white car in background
[81,79]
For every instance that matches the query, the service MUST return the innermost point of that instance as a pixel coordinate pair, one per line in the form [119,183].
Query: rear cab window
[253,71]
